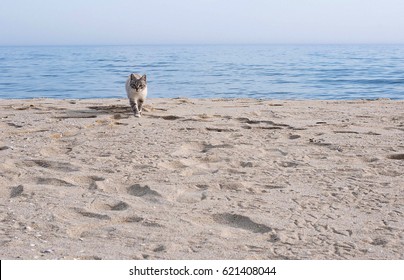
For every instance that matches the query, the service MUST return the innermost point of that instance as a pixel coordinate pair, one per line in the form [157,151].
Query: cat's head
[138,84]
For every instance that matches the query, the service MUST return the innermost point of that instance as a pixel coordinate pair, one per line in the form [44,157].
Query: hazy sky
[60,22]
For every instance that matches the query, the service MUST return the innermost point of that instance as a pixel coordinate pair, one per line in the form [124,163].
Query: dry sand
[201,179]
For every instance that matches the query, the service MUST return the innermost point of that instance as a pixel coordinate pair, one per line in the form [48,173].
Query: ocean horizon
[326,72]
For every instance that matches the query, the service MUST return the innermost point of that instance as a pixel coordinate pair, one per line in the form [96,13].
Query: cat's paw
[137,115]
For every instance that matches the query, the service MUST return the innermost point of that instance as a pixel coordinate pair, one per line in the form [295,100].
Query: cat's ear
[132,77]
[143,77]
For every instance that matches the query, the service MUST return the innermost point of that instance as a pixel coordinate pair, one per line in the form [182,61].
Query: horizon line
[200,44]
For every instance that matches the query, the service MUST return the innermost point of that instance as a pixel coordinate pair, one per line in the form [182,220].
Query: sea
[331,72]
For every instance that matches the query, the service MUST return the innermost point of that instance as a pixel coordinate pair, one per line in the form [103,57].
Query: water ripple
[282,72]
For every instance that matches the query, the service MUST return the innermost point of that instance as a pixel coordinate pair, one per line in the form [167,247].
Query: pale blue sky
[53,22]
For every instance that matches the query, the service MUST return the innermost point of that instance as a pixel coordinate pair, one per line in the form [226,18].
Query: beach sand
[201,179]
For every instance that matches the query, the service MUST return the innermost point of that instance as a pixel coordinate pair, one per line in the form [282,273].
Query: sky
[116,22]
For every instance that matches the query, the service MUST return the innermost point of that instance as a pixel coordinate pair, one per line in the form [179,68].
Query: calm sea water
[262,71]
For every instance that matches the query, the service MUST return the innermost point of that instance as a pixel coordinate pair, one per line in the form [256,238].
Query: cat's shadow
[115,111]
[111,109]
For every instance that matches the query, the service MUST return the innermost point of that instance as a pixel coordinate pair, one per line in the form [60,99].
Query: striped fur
[136,89]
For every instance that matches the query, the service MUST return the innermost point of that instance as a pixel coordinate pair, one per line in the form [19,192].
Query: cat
[136,89]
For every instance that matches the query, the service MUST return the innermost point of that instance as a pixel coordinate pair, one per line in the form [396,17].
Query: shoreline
[201,179]
[204,98]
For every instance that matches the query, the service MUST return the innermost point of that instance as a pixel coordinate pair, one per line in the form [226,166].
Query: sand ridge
[201,179]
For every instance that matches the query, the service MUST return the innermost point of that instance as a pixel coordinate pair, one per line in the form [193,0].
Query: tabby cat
[136,89]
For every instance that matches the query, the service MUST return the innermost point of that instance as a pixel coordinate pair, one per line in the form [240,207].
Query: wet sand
[201,179]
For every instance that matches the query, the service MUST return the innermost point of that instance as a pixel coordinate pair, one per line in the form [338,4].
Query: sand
[201,179]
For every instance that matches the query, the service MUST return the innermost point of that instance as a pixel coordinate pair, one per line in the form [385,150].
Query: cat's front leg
[140,105]
[134,106]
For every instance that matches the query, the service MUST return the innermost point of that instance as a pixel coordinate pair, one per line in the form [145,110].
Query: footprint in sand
[87,214]
[193,148]
[191,196]
[142,221]
[167,117]
[221,129]
[16,191]
[396,156]
[108,204]
[232,186]
[83,181]
[54,182]
[139,191]
[294,136]
[240,221]
[198,158]
[120,206]
[262,124]
[76,115]
[208,147]
[93,182]
[54,165]
[188,149]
